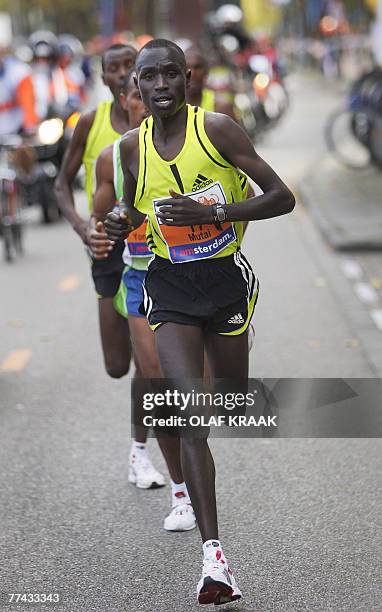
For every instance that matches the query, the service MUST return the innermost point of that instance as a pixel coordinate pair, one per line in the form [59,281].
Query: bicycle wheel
[375,140]
[341,140]
[17,237]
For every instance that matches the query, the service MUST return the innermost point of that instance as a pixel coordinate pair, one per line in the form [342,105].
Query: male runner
[199,290]
[109,189]
[197,93]
[94,131]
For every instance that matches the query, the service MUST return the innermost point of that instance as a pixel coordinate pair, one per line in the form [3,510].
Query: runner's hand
[181,210]
[118,227]
[98,241]
[82,230]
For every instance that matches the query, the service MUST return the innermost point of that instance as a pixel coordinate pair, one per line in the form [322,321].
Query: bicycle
[11,222]
[353,132]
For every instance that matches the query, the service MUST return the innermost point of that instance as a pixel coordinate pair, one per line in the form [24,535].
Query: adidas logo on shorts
[237,319]
[200,182]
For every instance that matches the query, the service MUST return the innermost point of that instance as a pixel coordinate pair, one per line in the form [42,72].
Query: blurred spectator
[70,52]
[48,82]
[17,100]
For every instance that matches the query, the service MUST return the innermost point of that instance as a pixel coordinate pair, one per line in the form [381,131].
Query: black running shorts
[218,294]
[107,273]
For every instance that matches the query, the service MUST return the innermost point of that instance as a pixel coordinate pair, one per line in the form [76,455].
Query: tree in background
[79,17]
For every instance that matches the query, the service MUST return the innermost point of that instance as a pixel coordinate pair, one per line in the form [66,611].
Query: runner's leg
[115,339]
[145,355]
[116,345]
[227,355]
[143,342]
[180,351]
[139,431]
[228,359]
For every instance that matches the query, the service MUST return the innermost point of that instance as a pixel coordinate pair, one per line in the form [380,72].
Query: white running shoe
[217,584]
[143,474]
[181,518]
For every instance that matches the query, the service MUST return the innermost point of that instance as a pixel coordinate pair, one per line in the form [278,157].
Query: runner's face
[162,81]
[132,103]
[196,64]
[117,63]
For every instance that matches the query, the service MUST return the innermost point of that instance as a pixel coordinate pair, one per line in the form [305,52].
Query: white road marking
[366,290]
[351,269]
[376,315]
[366,293]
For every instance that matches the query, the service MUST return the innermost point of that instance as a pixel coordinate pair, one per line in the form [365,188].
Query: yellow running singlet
[198,171]
[101,135]
[208,100]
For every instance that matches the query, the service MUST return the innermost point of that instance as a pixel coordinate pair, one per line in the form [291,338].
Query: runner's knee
[117,369]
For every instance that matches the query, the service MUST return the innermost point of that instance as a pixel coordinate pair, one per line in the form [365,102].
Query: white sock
[213,548]
[179,494]
[138,450]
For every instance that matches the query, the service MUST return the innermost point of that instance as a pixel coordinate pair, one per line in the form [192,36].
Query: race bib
[136,242]
[197,241]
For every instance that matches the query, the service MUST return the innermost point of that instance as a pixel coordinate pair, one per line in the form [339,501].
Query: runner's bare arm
[119,226]
[234,145]
[69,168]
[250,194]
[103,202]
[104,197]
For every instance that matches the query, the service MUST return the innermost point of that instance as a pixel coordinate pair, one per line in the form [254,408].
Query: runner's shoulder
[85,123]
[225,134]
[215,121]
[129,146]
[105,159]
[130,140]
[218,126]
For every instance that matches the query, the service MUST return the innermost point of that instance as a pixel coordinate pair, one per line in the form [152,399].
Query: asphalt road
[298,518]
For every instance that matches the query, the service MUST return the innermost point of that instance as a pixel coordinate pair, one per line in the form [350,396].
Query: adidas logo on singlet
[237,319]
[200,182]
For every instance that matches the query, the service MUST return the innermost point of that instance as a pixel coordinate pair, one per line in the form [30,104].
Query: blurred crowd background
[306,29]
[50,67]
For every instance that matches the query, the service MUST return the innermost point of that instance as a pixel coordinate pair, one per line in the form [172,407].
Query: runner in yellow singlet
[197,93]
[200,290]
[94,131]
[109,180]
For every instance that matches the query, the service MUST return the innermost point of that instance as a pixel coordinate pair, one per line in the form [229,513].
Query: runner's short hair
[116,47]
[163,43]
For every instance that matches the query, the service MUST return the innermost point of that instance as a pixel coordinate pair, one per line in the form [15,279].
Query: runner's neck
[194,99]
[166,127]
[169,134]
[119,118]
